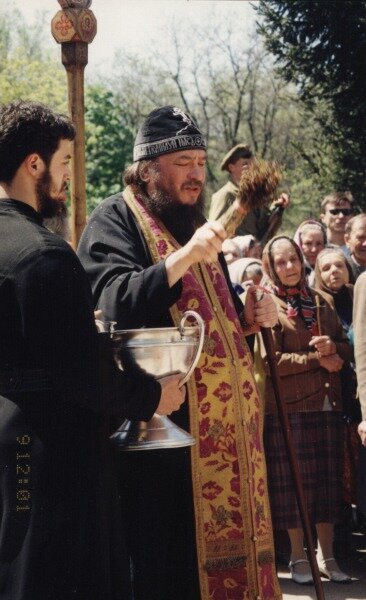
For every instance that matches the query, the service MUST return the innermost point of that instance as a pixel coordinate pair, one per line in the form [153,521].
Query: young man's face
[356,242]
[53,183]
[236,168]
[336,222]
[180,176]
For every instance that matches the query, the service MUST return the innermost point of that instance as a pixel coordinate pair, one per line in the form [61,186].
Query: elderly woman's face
[286,262]
[333,271]
[312,242]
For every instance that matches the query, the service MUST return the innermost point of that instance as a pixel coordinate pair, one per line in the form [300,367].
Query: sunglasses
[346,212]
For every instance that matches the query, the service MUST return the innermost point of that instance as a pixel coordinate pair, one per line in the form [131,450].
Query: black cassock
[60,535]
[156,485]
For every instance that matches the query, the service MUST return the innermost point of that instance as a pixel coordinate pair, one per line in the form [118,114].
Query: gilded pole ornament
[74,23]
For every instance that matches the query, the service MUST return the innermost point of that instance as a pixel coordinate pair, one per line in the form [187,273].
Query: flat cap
[239,151]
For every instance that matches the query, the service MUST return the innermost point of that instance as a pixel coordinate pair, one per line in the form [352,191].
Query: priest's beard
[47,206]
[181,220]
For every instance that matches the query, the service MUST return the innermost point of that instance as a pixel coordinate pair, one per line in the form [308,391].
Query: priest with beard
[198,520]
[60,528]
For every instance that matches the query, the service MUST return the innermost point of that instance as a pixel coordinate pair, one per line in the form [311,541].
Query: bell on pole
[74,27]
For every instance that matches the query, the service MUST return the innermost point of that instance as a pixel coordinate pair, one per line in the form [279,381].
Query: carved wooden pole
[74,27]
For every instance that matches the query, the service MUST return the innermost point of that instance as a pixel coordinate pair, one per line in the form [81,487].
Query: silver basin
[159,352]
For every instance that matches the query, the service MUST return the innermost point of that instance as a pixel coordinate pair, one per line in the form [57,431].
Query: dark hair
[59,223]
[28,127]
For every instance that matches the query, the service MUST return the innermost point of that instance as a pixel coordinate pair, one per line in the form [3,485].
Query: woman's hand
[332,363]
[323,345]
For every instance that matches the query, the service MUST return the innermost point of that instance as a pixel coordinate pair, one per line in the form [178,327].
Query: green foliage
[109,143]
[29,71]
[226,81]
[26,69]
[321,47]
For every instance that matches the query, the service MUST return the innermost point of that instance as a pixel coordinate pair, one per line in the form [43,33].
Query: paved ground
[350,549]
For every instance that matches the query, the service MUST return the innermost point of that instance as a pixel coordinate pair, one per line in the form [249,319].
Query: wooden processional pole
[74,27]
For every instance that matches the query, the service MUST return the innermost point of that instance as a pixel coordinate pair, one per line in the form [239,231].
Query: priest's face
[175,191]
[52,185]
[180,176]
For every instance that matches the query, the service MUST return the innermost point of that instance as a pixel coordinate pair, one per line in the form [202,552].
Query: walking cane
[294,468]
[256,188]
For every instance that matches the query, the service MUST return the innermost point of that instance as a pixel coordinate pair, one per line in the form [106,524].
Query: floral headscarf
[298,298]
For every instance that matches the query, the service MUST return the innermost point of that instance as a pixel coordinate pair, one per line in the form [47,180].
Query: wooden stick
[317,302]
[294,467]
[233,217]
[74,59]
[74,28]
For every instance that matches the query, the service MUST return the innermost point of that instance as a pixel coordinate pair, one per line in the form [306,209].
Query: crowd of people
[83,520]
[312,277]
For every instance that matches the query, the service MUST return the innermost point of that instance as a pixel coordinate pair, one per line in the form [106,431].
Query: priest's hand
[260,310]
[206,242]
[204,245]
[172,396]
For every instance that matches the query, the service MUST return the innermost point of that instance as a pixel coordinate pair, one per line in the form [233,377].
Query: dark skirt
[361,481]
[318,445]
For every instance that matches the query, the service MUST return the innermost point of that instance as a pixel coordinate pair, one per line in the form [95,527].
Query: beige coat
[305,384]
[359,327]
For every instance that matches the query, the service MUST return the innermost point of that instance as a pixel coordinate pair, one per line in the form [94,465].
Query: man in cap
[59,518]
[199,525]
[260,222]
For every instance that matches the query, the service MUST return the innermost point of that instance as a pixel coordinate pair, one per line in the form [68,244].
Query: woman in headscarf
[333,275]
[310,349]
[311,238]
[248,245]
[245,269]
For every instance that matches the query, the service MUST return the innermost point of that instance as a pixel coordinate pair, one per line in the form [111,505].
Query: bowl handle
[201,325]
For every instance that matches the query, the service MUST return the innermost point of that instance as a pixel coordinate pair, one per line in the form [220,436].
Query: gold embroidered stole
[233,523]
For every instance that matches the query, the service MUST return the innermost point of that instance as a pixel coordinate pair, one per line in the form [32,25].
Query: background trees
[108,146]
[27,69]
[232,91]
[321,47]
[306,110]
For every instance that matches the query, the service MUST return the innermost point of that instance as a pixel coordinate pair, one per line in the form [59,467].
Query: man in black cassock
[60,536]
[156,486]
